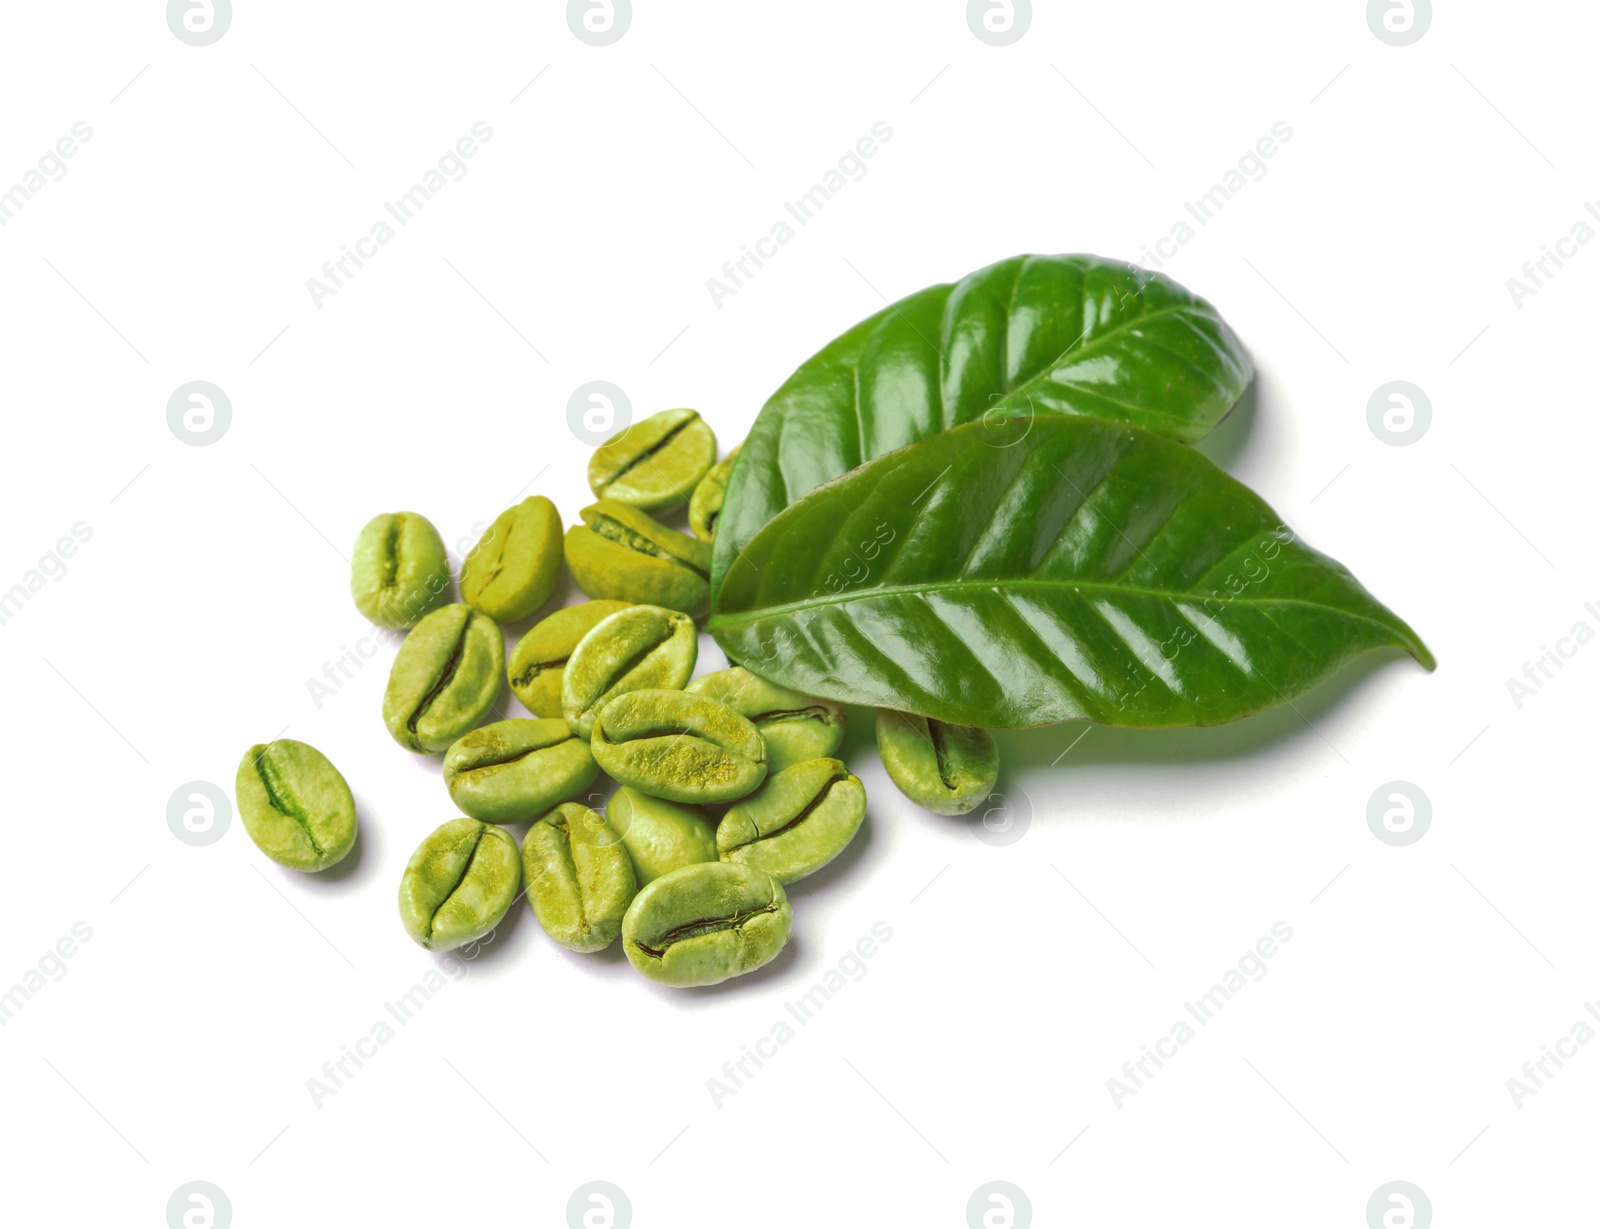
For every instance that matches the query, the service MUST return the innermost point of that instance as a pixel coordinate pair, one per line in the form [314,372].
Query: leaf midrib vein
[1080,347]
[1003,584]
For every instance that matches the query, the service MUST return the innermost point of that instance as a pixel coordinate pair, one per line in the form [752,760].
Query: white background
[978,1045]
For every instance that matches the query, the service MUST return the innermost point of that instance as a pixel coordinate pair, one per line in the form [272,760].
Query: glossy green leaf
[1031,335]
[1026,572]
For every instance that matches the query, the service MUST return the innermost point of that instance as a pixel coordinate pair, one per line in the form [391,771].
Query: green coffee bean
[538,662]
[513,568]
[620,552]
[949,769]
[398,570]
[459,884]
[703,924]
[517,769]
[705,505]
[655,462]
[660,836]
[796,823]
[796,727]
[580,881]
[639,646]
[678,746]
[444,678]
[295,805]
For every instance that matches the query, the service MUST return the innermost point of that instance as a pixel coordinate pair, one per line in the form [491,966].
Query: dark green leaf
[1031,335]
[1025,572]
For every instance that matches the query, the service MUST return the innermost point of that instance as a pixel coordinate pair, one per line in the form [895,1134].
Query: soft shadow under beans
[348,869]
[487,951]
[774,970]
[843,865]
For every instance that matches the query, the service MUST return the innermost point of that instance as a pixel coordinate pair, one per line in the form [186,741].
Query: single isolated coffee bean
[444,678]
[705,505]
[677,746]
[459,884]
[655,462]
[796,727]
[639,646]
[703,924]
[580,880]
[295,805]
[949,769]
[399,570]
[660,836]
[796,823]
[515,770]
[513,568]
[622,553]
[538,662]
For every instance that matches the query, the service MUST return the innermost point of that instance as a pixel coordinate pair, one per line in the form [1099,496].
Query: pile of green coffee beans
[611,687]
